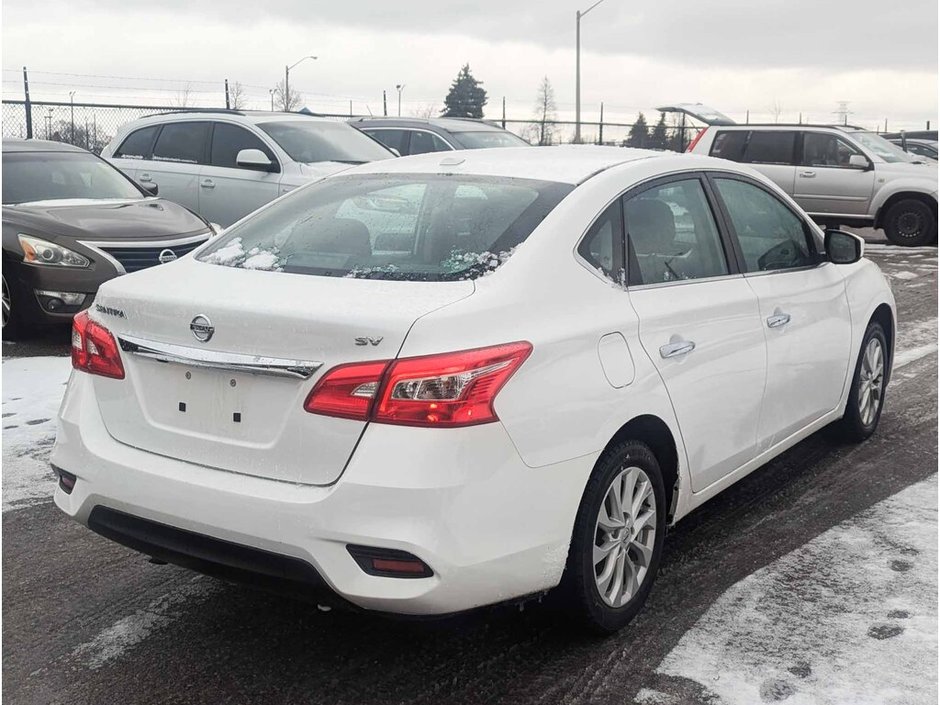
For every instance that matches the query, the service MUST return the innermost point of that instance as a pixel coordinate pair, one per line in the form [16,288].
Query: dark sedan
[71,221]
[419,135]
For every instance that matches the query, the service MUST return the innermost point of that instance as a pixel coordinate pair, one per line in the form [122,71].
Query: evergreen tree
[466,97]
[639,133]
[659,138]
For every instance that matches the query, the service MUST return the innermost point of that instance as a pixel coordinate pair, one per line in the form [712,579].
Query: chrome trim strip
[233,362]
[96,245]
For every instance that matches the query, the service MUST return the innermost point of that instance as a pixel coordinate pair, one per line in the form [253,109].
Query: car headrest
[650,225]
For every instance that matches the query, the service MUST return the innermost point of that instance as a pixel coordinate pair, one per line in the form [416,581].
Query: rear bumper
[461,500]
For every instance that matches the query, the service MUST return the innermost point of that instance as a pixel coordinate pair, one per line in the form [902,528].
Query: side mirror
[150,187]
[253,159]
[843,247]
[859,161]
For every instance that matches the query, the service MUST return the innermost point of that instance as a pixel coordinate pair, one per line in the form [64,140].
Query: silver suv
[840,175]
[226,164]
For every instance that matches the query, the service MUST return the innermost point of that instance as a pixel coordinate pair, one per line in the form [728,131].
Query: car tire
[910,223]
[13,326]
[867,395]
[597,601]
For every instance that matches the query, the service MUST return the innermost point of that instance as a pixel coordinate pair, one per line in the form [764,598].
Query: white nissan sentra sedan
[434,383]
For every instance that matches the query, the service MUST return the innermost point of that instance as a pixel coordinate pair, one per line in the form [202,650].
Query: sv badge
[369,341]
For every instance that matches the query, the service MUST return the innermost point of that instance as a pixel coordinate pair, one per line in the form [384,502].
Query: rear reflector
[389,562]
[66,480]
[445,390]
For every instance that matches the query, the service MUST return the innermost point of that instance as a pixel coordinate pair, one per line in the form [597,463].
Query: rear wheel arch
[903,196]
[654,432]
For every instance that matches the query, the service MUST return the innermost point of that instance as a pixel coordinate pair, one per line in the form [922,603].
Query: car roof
[914,140]
[21,145]
[572,164]
[788,126]
[448,124]
[248,116]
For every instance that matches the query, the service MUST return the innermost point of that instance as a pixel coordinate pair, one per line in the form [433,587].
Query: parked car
[839,175]
[72,221]
[917,147]
[224,164]
[409,136]
[421,390]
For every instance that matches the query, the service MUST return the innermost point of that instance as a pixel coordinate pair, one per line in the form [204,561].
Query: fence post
[504,112]
[227,105]
[928,124]
[600,132]
[28,105]
[747,117]
[384,104]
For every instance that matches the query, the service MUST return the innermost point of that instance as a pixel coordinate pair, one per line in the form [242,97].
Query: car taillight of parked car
[94,349]
[444,391]
[695,140]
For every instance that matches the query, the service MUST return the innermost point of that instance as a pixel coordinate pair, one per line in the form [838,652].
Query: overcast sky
[735,55]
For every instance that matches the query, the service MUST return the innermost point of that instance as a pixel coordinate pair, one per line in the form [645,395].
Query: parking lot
[814,579]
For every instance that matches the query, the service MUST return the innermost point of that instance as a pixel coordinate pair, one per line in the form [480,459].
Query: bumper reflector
[66,480]
[388,562]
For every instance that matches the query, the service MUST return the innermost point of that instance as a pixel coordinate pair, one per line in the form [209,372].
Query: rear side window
[730,145]
[602,247]
[424,142]
[672,234]
[138,144]
[421,227]
[770,235]
[229,140]
[393,139]
[770,147]
[183,142]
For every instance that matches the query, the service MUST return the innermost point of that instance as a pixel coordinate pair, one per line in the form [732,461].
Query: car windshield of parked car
[482,139]
[317,141]
[53,176]
[421,227]
[881,147]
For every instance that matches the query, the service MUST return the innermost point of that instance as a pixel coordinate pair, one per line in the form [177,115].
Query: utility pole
[227,105]
[72,116]
[384,104]
[287,81]
[843,111]
[399,87]
[577,71]
[28,105]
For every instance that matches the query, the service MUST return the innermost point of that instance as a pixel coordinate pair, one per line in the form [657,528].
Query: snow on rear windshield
[426,227]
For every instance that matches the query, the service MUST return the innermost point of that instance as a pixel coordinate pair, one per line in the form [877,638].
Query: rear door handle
[778,319]
[808,174]
[676,349]
[207,183]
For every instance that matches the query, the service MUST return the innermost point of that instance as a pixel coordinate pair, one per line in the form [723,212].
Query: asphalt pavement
[88,621]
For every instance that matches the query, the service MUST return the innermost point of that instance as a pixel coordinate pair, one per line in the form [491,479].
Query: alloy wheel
[871,381]
[7,303]
[624,536]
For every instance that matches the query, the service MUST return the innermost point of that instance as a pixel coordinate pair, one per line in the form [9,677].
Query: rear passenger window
[183,142]
[730,145]
[770,147]
[673,235]
[424,142]
[138,144]
[771,236]
[229,140]
[602,247]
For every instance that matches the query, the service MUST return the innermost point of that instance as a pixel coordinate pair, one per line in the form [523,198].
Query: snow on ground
[850,617]
[32,390]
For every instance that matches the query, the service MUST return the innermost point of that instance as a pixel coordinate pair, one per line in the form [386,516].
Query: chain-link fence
[92,125]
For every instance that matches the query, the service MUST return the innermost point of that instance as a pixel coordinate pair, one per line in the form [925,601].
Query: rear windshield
[320,141]
[423,227]
[48,176]
[483,139]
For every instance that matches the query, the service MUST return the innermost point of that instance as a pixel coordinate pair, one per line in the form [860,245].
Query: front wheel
[910,222]
[12,325]
[617,540]
[866,398]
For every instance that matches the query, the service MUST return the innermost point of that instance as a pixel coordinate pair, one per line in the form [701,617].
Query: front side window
[771,236]
[880,147]
[771,147]
[424,142]
[138,144]
[310,141]
[183,142]
[602,246]
[49,176]
[672,234]
[228,140]
[423,227]
[822,149]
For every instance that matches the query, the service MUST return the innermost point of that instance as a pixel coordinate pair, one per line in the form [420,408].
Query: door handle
[808,174]
[146,178]
[778,319]
[207,183]
[676,349]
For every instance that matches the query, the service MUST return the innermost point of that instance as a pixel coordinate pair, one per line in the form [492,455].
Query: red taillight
[347,391]
[446,390]
[695,141]
[94,349]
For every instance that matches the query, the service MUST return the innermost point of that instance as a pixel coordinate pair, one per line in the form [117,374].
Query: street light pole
[577,70]
[399,87]
[287,80]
